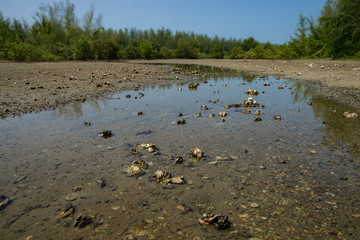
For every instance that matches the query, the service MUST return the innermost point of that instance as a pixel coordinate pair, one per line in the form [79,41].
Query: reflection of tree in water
[340,132]
[74,110]
[216,74]
[300,92]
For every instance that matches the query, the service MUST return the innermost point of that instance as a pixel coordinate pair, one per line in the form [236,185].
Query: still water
[295,178]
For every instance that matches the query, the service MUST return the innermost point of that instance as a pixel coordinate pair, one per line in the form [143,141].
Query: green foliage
[187,48]
[82,49]
[216,51]
[336,33]
[166,53]
[105,49]
[237,53]
[56,34]
[145,49]
[131,51]
[249,44]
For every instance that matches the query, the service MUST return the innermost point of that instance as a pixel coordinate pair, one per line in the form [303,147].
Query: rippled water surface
[295,178]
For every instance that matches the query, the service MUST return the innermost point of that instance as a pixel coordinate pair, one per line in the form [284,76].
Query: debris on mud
[105,134]
[82,221]
[165,178]
[220,221]
[69,210]
[4,202]
[181,121]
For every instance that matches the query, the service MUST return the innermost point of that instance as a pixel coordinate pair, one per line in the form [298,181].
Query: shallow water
[295,178]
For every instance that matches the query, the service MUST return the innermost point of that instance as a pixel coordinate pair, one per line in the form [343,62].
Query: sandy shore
[33,87]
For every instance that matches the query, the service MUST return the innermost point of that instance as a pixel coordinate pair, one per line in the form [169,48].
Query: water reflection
[300,92]
[340,132]
[75,110]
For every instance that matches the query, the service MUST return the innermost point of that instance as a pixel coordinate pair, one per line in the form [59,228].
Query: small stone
[180,207]
[181,121]
[245,215]
[71,197]
[254,205]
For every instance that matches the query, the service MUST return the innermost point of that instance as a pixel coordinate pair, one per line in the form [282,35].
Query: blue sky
[265,20]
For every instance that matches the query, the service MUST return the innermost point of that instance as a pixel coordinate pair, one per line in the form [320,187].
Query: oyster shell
[203,107]
[196,152]
[222,114]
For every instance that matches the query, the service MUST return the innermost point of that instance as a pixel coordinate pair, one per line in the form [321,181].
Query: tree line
[57,34]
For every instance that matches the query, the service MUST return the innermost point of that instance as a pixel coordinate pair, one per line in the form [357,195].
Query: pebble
[244,215]
[71,197]
[254,205]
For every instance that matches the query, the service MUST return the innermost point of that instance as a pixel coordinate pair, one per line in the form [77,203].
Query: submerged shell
[133,170]
[159,174]
[258,112]
[196,152]
[204,107]
[150,149]
[222,114]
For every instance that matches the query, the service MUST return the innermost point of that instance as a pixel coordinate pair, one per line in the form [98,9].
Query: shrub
[216,51]
[237,53]
[105,49]
[145,49]
[131,51]
[187,48]
[166,53]
[82,49]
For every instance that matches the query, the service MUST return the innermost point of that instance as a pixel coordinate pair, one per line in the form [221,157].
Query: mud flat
[181,152]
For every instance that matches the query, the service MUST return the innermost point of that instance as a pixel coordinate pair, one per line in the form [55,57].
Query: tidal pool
[294,178]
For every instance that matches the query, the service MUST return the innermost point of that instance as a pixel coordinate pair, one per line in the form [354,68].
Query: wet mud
[292,175]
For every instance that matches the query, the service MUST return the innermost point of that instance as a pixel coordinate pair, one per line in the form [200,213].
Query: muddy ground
[33,87]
